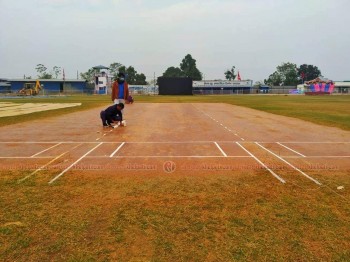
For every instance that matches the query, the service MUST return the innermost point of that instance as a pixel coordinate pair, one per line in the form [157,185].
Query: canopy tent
[99,67]
[320,84]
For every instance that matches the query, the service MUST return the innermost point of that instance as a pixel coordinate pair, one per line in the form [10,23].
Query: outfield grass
[325,110]
[216,217]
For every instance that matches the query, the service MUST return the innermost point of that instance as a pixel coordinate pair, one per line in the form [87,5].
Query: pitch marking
[291,149]
[117,149]
[261,163]
[46,150]
[64,171]
[295,168]
[222,151]
[41,168]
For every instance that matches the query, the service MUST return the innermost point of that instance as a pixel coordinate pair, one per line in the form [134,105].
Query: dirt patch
[15,109]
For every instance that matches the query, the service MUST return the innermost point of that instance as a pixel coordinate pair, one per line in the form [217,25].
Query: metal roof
[46,80]
[100,67]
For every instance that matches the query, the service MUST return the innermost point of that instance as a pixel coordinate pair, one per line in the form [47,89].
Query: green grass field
[245,215]
[325,110]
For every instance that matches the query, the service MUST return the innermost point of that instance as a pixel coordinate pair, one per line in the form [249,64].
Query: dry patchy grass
[157,217]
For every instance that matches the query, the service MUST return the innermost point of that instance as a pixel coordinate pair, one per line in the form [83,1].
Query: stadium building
[225,87]
[51,85]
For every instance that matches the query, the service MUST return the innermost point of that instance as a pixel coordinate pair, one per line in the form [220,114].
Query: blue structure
[51,85]
[264,89]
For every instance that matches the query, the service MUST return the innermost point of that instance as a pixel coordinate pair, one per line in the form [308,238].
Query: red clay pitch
[182,139]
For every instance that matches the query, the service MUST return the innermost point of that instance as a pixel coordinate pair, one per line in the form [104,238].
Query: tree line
[133,78]
[287,74]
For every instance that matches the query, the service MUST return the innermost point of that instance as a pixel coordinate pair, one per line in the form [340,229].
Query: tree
[189,68]
[274,79]
[131,75]
[89,75]
[114,68]
[258,83]
[122,69]
[42,74]
[173,72]
[286,74]
[308,72]
[140,79]
[230,74]
[56,71]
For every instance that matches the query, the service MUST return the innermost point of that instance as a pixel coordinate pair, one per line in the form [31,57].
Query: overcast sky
[152,35]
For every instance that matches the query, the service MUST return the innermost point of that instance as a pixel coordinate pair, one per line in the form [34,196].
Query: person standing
[120,89]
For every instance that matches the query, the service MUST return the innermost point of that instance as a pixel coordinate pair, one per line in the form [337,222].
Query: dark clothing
[111,114]
[130,99]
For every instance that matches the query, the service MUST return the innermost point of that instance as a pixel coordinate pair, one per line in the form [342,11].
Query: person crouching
[112,114]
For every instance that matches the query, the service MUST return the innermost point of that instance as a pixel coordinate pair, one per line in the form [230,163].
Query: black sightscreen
[175,85]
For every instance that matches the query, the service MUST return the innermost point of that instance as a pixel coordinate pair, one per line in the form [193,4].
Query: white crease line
[261,163]
[295,168]
[25,157]
[76,146]
[291,149]
[222,151]
[327,156]
[41,168]
[117,149]
[168,157]
[296,142]
[317,156]
[46,150]
[242,139]
[64,171]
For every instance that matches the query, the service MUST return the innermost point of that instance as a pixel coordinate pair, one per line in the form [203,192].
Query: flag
[238,77]
[302,75]
[64,76]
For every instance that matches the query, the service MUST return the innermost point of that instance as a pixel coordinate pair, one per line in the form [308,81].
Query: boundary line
[222,151]
[46,150]
[64,171]
[261,163]
[291,149]
[285,161]
[115,151]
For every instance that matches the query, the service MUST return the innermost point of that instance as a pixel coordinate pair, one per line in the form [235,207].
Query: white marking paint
[68,168]
[262,164]
[295,168]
